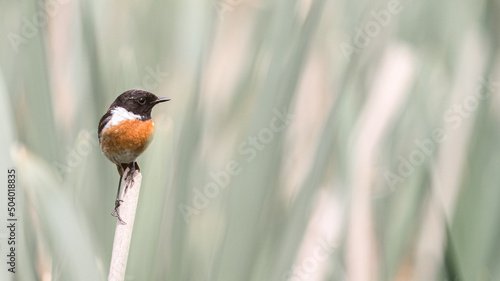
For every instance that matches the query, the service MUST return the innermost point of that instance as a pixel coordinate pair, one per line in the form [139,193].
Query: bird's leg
[129,180]
[116,212]
[130,176]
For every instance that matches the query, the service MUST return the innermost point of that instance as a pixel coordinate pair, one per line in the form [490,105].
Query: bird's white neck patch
[120,114]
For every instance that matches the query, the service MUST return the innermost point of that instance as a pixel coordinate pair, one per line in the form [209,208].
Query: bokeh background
[305,140]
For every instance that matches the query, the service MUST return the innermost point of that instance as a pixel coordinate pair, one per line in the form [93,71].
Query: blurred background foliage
[384,166]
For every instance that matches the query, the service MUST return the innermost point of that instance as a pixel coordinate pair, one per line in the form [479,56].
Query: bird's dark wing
[104,120]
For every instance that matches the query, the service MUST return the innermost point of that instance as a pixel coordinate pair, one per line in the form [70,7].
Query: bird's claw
[116,213]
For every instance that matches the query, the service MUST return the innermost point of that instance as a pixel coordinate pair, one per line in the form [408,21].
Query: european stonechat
[126,130]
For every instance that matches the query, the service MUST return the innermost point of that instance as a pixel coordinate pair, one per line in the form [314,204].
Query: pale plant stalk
[123,232]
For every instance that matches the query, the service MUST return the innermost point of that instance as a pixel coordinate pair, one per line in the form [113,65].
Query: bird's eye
[142,100]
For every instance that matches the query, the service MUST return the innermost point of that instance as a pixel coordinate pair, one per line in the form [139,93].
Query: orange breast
[127,140]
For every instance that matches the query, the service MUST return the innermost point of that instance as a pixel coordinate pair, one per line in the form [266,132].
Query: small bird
[125,131]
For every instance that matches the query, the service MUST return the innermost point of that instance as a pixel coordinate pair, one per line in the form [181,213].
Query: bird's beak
[160,100]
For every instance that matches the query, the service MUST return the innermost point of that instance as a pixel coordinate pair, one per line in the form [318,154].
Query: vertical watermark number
[11,220]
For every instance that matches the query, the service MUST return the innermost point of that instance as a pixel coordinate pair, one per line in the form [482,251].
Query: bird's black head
[139,102]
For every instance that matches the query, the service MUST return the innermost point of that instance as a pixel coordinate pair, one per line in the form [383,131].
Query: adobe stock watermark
[371,29]
[453,118]
[30,26]
[154,77]
[224,6]
[85,144]
[221,179]
[310,264]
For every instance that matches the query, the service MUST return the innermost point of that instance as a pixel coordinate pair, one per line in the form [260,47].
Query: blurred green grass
[228,67]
